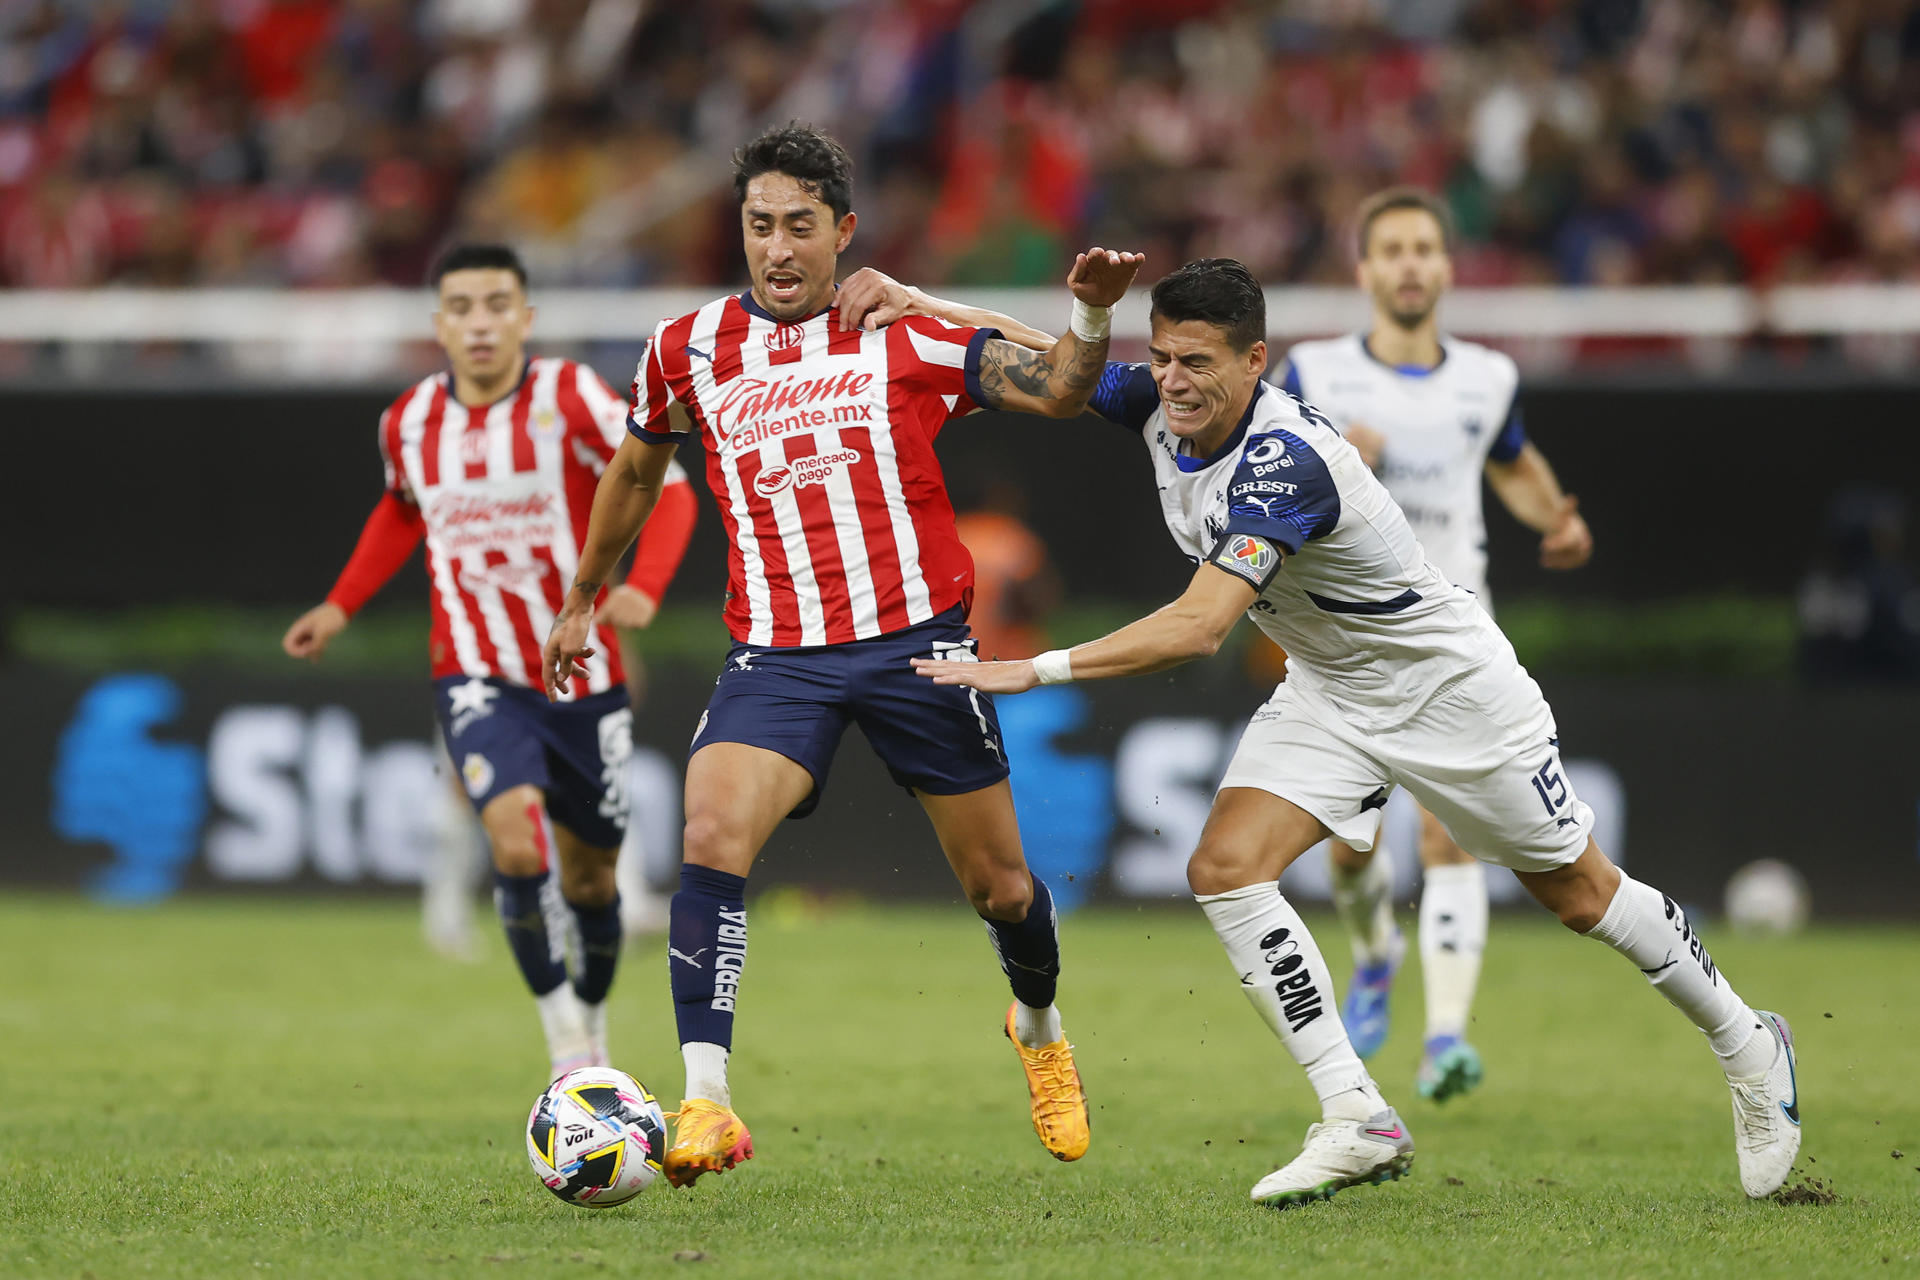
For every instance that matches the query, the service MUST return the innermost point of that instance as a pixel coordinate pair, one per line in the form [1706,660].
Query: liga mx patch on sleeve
[1248,556]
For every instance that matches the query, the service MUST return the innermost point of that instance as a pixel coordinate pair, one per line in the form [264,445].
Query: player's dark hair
[1219,291]
[810,157]
[478,257]
[1394,199]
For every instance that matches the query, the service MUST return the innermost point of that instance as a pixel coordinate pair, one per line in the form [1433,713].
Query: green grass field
[298,1089]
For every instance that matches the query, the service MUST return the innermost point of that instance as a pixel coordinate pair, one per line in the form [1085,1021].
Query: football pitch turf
[228,1087]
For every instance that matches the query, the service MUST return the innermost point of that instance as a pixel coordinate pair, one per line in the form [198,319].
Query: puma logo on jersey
[684,958]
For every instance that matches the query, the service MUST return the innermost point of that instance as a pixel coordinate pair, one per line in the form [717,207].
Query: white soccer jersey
[1441,425]
[1369,626]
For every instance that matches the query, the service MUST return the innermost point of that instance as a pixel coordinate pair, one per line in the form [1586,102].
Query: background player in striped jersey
[844,566]
[1430,414]
[493,465]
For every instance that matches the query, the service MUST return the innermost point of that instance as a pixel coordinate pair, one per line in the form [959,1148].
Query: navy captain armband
[1249,557]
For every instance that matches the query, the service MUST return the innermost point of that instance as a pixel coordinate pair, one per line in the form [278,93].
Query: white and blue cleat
[1340,1154]
[1766,1115]
[1365,1012]
[1449,1067]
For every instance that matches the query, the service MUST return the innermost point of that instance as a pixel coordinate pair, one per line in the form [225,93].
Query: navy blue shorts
[503,735]
[940,739]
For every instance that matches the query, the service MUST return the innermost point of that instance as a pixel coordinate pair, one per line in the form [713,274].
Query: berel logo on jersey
[1268,456]
[1271,449]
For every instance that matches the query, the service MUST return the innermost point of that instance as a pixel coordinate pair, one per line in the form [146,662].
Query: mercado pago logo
[756,410]
[814,468]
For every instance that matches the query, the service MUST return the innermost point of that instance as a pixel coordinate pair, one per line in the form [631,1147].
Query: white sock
[1646,927]
[1037,1028]
[1284,977]
[706,1072]
[1363,899]
[561,1018]
[1453,933]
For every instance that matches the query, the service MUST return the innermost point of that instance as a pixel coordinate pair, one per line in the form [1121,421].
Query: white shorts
[1484,758]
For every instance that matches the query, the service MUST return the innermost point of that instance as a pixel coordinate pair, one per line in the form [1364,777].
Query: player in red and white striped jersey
[494,465]
[844,567]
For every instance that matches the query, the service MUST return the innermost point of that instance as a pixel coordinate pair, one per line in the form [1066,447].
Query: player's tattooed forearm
[587,589]
[1070,370]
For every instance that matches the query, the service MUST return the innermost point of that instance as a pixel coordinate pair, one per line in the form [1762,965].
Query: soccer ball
[595,1137]
[1767,896]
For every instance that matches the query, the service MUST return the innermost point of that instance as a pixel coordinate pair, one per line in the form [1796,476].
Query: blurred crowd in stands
[341,142]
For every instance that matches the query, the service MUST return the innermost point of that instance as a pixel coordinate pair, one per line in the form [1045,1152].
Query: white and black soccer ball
[595,1137]
[1767,896]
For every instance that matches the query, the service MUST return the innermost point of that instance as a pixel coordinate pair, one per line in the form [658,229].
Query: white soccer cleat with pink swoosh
[1338,1154]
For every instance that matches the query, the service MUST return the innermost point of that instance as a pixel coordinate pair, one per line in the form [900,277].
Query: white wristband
[1090,324]
[1055,666]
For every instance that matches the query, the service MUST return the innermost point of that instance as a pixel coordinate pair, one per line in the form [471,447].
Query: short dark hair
[808,155]
[478,257]
[1219,291]
[1394,199]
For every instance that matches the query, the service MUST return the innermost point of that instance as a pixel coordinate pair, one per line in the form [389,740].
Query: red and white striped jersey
[505,492]
[820,455]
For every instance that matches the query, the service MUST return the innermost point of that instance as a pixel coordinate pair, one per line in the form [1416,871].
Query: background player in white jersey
[1430,414]
[493,465]
[1396,678]
[844,565]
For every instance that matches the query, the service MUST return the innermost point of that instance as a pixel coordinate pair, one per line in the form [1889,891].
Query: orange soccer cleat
[1059,1103]
[707,1138]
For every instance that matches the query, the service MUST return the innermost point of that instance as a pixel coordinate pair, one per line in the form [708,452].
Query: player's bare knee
[517,853]
[716,838]
[1222,868]
[1003,897]
[588,884]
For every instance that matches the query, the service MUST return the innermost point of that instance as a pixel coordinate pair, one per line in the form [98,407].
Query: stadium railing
[379,334]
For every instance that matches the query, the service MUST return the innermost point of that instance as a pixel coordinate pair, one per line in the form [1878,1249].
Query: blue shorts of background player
[942,740]
[501,736]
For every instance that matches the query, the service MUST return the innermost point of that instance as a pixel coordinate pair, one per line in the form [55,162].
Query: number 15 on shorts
[1550,786]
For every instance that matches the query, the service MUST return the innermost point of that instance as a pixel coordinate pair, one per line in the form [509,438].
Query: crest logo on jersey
[784,337]
[1472,426]
[773,480]
[546,424]
[477,772]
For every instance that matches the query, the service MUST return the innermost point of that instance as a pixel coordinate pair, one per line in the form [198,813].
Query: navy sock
[517,899]
[599,948]
[1030,950]
[706,949]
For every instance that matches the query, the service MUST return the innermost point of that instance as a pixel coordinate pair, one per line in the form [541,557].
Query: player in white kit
[1396,678]
[1430,414]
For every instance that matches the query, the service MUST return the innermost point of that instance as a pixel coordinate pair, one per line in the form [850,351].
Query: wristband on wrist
[1090,324]
[1055,666]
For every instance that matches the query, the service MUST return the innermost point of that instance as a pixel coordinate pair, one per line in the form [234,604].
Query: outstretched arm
[1191,627]
[1058,382]
[871,299]
[393,530]
[628,490]
[1527,487]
